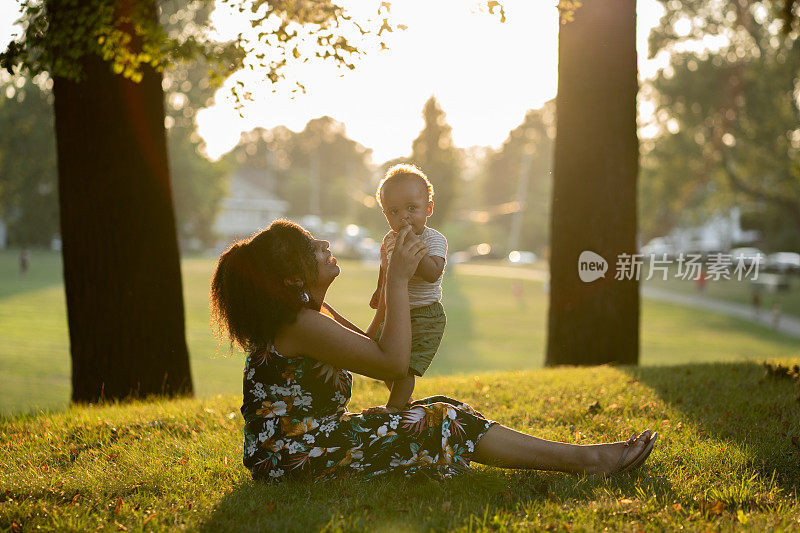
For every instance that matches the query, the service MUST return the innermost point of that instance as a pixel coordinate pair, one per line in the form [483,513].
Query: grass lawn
[726,459]
[488,330]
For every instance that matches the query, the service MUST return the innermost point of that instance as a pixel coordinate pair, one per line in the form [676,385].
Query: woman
[268,295]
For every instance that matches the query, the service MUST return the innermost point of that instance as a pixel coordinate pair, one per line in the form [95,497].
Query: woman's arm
[321,337]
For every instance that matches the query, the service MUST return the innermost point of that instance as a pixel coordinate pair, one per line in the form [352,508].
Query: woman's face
[327,268]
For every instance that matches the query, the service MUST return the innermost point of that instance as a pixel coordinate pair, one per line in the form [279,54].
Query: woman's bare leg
[507,448]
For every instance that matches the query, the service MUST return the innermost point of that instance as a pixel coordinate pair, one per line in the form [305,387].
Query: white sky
[485,74]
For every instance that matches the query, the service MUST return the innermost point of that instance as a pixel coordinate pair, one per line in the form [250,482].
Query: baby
[406,196]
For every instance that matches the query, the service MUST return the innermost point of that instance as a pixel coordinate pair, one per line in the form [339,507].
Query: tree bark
[594,189]
[121,262]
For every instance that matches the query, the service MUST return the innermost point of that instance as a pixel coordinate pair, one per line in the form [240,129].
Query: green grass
[726,460]
[487,330]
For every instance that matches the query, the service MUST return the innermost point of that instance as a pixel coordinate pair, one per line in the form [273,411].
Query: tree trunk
[121,262]
[594,188]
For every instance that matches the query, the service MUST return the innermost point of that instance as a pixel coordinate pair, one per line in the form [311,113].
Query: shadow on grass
[393,502]
[457,343]
[736,403]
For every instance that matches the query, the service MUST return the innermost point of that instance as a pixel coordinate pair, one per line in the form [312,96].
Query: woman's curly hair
[250,298]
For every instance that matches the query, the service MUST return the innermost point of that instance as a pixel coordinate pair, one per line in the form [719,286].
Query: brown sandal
[650,439]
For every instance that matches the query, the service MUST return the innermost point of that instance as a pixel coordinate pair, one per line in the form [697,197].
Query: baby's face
[406,202]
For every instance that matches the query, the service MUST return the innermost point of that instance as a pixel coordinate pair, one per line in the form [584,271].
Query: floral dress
[296,425]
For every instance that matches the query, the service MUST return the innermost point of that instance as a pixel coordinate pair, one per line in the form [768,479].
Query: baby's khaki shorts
[427,328]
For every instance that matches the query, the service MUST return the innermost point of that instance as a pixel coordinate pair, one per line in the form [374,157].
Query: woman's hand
[408,251]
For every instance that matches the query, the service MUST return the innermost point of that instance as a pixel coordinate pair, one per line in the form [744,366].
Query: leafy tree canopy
[28,185]
[727,110]
[129,35]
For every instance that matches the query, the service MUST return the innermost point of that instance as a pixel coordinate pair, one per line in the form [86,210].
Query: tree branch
[739,184]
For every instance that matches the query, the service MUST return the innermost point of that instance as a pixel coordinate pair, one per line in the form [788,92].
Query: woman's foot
[624,456]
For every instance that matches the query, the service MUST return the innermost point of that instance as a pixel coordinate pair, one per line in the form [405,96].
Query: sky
[485,74]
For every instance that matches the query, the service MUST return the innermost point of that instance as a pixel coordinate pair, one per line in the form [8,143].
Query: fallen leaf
[118,506]
[270,507]
[716,507]
[626,501]
[742,517]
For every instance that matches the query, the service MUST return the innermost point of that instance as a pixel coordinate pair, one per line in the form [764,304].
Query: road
[788,325]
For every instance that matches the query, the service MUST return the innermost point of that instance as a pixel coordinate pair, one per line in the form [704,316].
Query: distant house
[718,234]
[250,205]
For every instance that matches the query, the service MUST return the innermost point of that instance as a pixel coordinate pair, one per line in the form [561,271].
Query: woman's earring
[304,297]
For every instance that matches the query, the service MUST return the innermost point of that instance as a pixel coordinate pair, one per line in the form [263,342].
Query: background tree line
[318,170]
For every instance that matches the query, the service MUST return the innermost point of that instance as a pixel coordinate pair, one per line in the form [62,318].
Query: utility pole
[314,177]
[352,184]
[522,198]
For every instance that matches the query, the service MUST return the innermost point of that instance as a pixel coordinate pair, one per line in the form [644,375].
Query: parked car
[784,263]
[518,257]
[459,257]
[658,246]
[483,251]
[747,256]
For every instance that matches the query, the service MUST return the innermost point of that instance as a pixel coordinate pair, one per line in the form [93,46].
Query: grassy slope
[725,460]
[488,330]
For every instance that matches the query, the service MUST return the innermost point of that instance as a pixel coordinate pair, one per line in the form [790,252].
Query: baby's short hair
[400,171]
